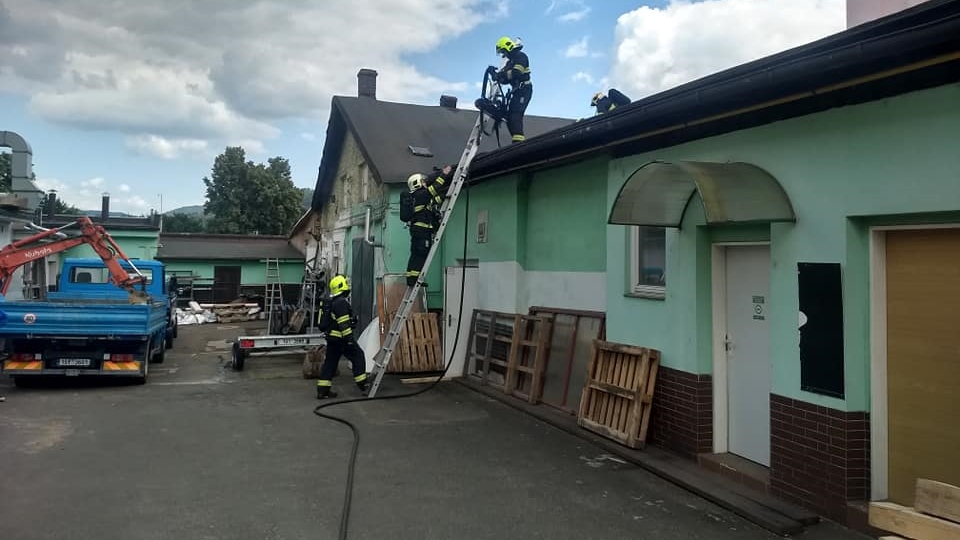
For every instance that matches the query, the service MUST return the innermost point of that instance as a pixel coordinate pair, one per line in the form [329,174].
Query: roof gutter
[865,58]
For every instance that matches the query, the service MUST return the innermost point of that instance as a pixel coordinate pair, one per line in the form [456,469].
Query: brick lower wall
[819,457]
[682,414]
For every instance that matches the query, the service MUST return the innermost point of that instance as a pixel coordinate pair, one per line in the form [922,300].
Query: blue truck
[89,325]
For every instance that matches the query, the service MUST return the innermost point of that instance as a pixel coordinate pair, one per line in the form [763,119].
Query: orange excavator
[35,247]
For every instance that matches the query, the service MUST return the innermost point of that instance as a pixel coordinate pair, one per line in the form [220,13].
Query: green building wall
[545,238]
[137,244]
[844,169]
[251,272]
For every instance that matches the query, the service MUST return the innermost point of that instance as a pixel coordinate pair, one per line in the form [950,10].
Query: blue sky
[109,116]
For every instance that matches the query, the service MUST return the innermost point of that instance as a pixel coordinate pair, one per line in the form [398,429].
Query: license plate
[293,341]
[73,362]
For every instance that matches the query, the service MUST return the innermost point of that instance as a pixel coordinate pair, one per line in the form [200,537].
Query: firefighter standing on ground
[516,72]
[426,194]
[339,323]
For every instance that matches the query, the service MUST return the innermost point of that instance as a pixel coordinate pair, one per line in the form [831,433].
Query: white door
[452,313]
[748,352]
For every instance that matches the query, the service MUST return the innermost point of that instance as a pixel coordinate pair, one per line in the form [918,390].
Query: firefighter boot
[325,392]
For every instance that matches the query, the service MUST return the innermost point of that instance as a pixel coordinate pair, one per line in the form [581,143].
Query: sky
[137,98]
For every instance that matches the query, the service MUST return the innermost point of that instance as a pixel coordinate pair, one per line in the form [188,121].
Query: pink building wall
[861,11]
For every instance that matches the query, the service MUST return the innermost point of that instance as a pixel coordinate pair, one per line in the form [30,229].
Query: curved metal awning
[658,193]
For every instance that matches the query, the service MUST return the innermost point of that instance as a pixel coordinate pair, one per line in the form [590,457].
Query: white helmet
[415,181]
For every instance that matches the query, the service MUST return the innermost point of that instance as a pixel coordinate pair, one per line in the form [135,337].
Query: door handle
[449,319]
[727,344]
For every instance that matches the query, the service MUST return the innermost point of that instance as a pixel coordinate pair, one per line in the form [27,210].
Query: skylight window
[421,151]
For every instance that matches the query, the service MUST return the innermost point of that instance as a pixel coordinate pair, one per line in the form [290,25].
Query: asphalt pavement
[205,453]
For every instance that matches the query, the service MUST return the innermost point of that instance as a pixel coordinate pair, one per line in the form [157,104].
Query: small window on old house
[648,261]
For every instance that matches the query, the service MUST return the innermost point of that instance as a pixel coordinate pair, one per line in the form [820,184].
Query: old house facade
[371,147]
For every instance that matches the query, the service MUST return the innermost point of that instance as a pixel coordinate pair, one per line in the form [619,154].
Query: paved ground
[204,453]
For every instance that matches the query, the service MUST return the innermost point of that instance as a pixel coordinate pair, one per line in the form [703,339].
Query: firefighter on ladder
[426,194]
[339,323]
[516,72]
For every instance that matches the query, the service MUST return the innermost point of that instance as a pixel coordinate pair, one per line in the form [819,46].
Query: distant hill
[192,210]
[96,213]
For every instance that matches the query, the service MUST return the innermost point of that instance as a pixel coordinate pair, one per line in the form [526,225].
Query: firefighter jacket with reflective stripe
[517,69]
[427,201]
[344,320]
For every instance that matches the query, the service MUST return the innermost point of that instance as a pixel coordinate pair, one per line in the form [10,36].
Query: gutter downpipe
[366,231]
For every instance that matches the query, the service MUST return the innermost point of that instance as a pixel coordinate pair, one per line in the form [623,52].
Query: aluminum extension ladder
[382,359]
[273,293]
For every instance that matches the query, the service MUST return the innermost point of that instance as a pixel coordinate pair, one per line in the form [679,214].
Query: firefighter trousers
[337,348]
[420,241]
[517,107]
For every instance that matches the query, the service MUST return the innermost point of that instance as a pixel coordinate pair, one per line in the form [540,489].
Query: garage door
[923,358]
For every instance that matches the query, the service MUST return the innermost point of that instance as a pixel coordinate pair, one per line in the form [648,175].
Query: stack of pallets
[935,514]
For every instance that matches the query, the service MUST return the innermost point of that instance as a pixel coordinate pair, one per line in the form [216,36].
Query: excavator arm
[29,249]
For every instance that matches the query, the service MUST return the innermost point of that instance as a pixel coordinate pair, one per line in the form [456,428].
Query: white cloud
[164,148]
[308,136]
[578,49]
[582,76]
[199,73]
[574,16]
[659,48]
[87,195]
[571,10]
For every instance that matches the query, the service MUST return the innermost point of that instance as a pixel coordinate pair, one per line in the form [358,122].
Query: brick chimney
[449,102]
[367,83]
[105,206]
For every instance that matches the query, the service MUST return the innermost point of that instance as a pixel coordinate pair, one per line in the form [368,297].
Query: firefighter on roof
[516,72]
[606,103]
[419,208]
[340,324]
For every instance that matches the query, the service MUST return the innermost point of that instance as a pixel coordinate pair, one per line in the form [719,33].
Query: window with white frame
[648,261]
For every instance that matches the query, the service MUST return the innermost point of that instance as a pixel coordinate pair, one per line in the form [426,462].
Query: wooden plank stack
[618,392]
[935,514]
[228,313]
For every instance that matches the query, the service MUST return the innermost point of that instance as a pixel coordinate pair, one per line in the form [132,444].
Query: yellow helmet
[504,45]
[415,181]
[339,285]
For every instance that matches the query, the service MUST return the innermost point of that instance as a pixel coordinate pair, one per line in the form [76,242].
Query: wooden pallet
[618,392]
[935,514]
[418,348]
[508,351]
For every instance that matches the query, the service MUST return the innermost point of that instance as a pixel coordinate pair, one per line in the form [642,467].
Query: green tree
[182,223]
[60,206]
[245,197]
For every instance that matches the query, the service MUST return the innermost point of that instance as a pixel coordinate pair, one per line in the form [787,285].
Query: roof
[909,50]
[204,246]
[112,223]
[385,130]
